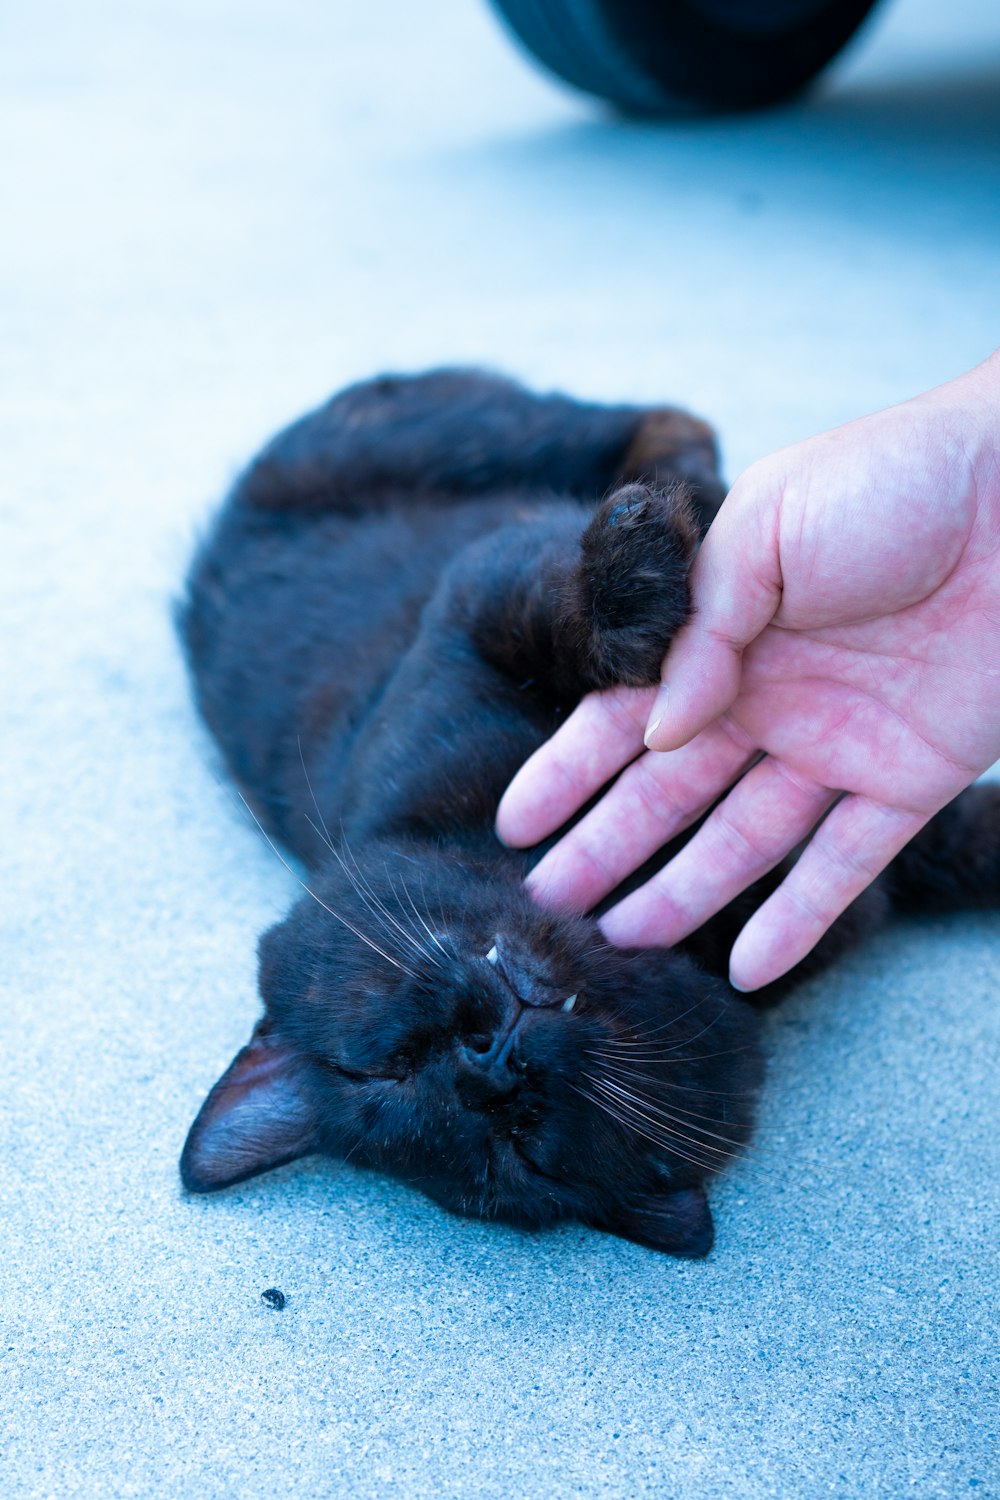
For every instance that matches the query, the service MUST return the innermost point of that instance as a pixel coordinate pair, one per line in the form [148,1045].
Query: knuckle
[800,783]
[585,856]
[654,802]
[752,849]
[817,915]
[855,869]
[626,710]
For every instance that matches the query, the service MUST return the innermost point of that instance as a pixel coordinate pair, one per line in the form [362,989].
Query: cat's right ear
[258,1116]
[679,1223]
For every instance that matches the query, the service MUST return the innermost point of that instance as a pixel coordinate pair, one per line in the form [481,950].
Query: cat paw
[671,445]
[633,593]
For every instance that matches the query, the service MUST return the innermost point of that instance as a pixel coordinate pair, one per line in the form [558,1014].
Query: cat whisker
[686,1041]
[368,901]
[668,1140]
[318,831]
[371,900]
[621,1055]
[747,1151]
[632,1103]
[633,1076]
[640,1055]
[685,1088]
[416,938]
[408,933]
[325,833]
[699,1057]
[657,1109]
[425,925]
[318,899]
[364,888]
[645,1034]
[368,896]
[322,832]
[626,1045]
[630,1124]
[441,917]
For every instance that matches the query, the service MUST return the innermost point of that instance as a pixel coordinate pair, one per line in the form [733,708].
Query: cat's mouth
[494,1057]
[528,984]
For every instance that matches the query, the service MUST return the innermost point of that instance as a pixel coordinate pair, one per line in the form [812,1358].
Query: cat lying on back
[403,596]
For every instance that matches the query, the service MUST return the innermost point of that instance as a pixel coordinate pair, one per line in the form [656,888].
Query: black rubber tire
[669,56]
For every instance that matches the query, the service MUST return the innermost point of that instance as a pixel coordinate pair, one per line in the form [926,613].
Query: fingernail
[657,714]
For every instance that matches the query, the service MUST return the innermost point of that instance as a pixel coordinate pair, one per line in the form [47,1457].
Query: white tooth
[569,1003]
[493,955]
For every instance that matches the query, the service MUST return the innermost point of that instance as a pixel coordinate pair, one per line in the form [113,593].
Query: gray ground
[215,213]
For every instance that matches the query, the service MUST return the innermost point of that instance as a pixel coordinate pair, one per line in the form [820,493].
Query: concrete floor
[214,214]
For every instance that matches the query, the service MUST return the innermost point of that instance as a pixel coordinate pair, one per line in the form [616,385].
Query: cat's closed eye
[355,1077]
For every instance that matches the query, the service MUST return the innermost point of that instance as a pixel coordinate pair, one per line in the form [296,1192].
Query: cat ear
[258,1116]
[679,1223]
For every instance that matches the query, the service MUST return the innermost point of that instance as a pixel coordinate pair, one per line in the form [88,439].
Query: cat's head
[433,1023]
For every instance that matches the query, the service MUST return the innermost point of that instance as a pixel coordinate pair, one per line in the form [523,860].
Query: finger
[603,734]
[852,846]
[655,798]
[735,590]
[763,818]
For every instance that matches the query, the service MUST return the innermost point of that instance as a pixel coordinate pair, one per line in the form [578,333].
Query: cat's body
[404,595]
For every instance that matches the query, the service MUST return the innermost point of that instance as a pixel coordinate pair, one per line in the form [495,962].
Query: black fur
[402,597]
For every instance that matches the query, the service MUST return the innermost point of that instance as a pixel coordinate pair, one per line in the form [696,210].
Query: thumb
[735,590]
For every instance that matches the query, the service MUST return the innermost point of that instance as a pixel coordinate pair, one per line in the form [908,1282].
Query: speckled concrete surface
[214,215]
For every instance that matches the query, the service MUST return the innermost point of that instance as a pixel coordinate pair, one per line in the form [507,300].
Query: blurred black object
[666,56]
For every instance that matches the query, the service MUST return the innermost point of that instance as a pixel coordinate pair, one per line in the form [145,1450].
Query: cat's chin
[673,1221]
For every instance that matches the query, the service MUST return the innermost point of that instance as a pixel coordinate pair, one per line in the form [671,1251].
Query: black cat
[403,596]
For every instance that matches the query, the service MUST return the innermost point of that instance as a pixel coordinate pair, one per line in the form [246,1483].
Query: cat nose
[489,1066]
[493,1053]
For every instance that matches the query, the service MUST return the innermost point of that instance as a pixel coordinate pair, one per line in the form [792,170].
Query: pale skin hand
[845,647]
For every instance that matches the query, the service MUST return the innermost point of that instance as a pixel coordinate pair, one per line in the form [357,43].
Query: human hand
[845,648]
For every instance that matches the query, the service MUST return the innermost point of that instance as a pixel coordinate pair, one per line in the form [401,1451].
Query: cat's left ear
[258,1116]
[679,1223]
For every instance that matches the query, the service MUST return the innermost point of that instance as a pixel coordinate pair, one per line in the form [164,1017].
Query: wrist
[968,411]
[979,392]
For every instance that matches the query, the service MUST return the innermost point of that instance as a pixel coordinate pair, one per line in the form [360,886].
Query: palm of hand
[891,708]
[875,672]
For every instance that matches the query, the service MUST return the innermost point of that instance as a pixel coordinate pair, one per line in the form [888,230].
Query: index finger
[603,734]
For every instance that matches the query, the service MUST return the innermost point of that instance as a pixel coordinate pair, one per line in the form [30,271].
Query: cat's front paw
[671,445]
[633,593]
